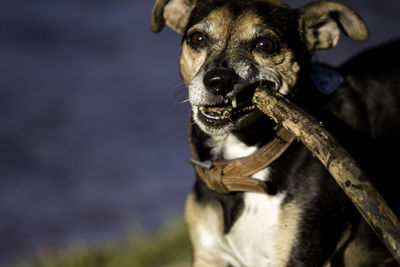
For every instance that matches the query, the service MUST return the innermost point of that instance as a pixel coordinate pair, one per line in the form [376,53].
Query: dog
[303,219]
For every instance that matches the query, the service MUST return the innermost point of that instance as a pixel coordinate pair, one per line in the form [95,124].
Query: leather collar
[225,176]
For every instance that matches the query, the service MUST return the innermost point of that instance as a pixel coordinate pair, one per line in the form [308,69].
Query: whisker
[177,89]
[184,101]
[179,92]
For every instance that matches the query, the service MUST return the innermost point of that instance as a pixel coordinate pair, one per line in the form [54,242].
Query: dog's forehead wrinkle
[220,18]
[248,23]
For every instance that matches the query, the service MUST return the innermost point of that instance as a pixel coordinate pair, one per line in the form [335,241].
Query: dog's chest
[253,239]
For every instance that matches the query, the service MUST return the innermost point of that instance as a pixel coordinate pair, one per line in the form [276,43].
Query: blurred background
[93,143]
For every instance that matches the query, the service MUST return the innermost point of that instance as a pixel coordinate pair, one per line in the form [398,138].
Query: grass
[169,247]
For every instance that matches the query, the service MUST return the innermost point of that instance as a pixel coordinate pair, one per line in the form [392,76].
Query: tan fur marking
[276,2]
[358,254]
[242,29]
[220,19]
[285,65]
[216,25]
[205,227]
[342,242]
[287,231]
[191,62]
[185,63]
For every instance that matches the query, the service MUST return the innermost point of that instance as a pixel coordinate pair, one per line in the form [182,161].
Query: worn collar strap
[227,176]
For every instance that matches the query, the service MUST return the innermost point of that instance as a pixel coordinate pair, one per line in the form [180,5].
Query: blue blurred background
[93,141]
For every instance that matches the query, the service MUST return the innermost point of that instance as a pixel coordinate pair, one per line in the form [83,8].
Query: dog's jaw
[208,128]
[219,115]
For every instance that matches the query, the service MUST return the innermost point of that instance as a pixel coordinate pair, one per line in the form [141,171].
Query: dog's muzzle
[221,83]
[222,98]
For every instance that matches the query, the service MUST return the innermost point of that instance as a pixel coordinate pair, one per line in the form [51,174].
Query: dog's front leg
[205,222]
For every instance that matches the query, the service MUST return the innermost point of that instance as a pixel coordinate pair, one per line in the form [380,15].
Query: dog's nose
[220,81]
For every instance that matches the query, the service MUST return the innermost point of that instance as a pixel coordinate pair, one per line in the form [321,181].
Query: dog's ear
[174,13]
[320,24]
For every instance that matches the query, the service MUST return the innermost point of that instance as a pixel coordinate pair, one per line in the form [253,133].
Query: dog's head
[230,47]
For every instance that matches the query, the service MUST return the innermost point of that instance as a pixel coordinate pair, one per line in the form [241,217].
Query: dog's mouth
[224,112]
[230,110]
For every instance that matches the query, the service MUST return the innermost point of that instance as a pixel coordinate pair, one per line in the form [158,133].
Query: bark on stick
[339,163]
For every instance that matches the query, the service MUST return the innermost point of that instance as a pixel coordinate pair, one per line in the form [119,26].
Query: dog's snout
[220,81]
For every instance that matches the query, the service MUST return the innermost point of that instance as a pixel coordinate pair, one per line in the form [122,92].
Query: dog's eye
[266,45]
[197,39]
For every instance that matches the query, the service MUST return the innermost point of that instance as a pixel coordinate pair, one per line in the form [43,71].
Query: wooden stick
[339,163]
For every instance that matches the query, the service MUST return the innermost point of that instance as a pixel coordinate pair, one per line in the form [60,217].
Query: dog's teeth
[234,103]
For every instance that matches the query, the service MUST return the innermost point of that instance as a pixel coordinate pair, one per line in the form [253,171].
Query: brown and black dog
[230,47]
